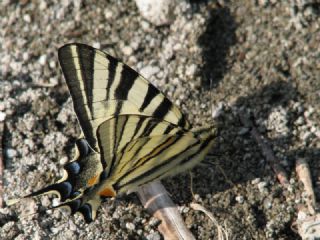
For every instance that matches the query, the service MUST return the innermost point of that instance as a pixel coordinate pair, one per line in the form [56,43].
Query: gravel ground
[212,60]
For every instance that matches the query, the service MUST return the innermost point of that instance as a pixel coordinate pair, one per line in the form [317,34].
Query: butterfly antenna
[29,214]
[191,184]
[37,212]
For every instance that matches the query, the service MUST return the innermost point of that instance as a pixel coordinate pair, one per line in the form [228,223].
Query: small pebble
[290,188]
[107,13]
[243,131]
[309,112]
[2,116]
[130,226]
[255,181]
[305,136]
[153,222]
[154,236]
[149,71]
[267,203]
[217,110]
[127,50]
[96,45]
[262,186]
[55,202]
[300,120]
[190,71]
[63,160]
[10,153]
[157,12]
[185,209]
[197,197]
[43,59]
[27,18]
[52,64]
[240,199]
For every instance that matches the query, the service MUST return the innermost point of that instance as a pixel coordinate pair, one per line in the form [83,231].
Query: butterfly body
[131,133]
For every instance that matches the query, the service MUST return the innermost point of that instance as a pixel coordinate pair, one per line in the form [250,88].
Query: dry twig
[222,232]
[155,198]
[1,163]
[304,176]
[308,226]
[266,151]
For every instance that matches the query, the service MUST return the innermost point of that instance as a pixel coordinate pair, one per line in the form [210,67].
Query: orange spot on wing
[108,192]
[92,181]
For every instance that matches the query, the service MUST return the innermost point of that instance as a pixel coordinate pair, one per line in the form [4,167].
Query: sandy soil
[260,57]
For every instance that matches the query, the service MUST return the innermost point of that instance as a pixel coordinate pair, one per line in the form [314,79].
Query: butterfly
[131,134]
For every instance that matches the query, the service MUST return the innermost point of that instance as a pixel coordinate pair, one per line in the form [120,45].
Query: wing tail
[79,175]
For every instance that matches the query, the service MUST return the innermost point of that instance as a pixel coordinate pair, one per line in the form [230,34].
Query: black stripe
[168,129]
[69,72]
[64,188]
[117,141]
[153,170]
[163,109]
[128,77]
[149,127]
[83,147]
[86,211]
[74,205]
[118,108]
[182,121]
[139,148]
[113,63]
[136,152]
[203,145]
[122,129]
[86,61]
[102,159]
[114,144]
[138,164]
[103,176]
[140,122]
[151,93]
[129,149]
[138,126]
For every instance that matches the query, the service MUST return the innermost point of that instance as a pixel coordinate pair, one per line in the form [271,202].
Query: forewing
[102,87]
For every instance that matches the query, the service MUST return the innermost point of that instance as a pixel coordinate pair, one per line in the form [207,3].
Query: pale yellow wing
[102,87]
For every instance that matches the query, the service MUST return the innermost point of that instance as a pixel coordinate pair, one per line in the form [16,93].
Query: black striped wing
[132,133]
[113,134]
[118,132]
[156,157]
[145,154]
[102,87]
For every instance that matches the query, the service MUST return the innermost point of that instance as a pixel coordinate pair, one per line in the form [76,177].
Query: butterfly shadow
[237,158]
[215,42]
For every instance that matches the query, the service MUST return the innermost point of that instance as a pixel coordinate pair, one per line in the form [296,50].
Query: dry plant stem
[304,175]
[309,227]
[266,151]
[1,164]
[155,198]
[222,232]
